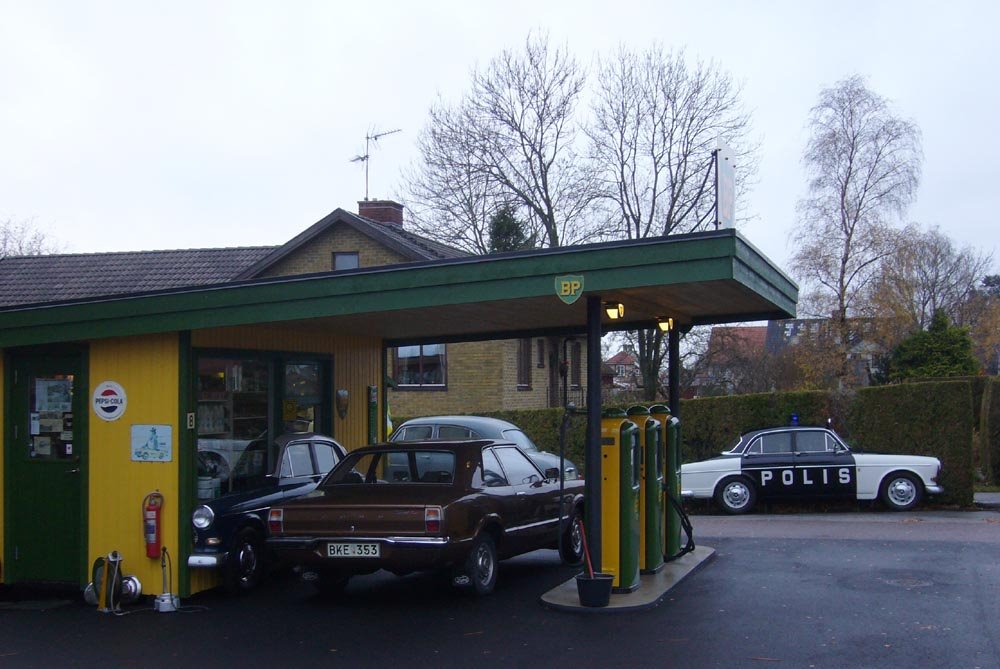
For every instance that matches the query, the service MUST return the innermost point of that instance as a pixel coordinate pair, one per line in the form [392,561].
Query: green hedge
[920,419]
[709,425]
[935,418]
[989,434]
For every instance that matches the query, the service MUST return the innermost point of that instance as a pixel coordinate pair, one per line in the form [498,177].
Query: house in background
[625,368]
[426,379]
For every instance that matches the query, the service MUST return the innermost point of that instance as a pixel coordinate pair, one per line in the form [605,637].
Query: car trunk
[364,510]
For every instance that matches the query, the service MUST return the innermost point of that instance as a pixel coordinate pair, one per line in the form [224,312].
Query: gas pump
[620,530]
[650,490]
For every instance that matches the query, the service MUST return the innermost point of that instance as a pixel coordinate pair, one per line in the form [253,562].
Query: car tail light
[432,519]
[276,521]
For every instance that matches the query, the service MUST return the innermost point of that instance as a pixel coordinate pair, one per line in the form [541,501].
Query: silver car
[480,427]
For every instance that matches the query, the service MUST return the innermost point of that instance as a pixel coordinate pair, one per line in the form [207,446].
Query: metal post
[674,371]
[592,500]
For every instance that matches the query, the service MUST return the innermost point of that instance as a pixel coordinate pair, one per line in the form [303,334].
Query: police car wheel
[736,495]
[901,492]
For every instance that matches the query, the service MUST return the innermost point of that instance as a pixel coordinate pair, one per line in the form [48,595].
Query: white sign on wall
[109,400]
[152,443]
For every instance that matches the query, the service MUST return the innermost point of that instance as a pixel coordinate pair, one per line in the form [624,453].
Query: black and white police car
[801,462]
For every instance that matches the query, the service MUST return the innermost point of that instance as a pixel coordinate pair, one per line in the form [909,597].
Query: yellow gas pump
[620,531]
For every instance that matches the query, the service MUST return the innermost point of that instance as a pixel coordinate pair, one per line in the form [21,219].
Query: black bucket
[594,590]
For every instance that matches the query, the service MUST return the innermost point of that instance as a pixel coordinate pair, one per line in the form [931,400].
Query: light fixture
[666,324]
[614,310]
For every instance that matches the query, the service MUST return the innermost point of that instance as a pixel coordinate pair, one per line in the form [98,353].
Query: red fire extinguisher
[151,507]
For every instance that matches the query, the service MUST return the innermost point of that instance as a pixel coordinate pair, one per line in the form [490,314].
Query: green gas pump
[620,529]
[670,430]
[650,490]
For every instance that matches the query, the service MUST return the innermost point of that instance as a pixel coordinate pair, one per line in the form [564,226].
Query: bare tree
[926,274]
[864,167]
[22,238]
[511,142]
[656,120]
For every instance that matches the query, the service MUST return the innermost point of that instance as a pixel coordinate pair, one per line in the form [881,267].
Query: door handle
[72,471]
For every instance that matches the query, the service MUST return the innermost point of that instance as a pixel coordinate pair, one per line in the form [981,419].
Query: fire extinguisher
[152,505]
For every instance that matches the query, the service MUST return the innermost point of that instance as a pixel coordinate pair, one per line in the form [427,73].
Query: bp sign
[109,401]
[569,288]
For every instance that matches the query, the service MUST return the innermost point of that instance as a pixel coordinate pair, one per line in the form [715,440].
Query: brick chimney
[383,211]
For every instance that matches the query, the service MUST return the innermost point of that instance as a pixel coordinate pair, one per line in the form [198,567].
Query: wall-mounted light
[614,310]
[665,324]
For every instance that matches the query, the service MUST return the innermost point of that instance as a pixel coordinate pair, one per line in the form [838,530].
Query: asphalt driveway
[852,589]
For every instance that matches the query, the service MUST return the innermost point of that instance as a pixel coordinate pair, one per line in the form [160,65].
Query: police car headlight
[202,517]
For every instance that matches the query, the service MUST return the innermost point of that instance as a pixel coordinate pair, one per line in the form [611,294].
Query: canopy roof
[700,278]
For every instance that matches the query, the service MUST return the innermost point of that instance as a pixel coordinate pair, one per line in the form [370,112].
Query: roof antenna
[372,136]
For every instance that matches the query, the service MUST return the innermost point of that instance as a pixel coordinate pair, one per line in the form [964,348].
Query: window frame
[421,356]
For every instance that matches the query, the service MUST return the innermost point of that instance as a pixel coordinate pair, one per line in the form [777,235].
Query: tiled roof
[53,278]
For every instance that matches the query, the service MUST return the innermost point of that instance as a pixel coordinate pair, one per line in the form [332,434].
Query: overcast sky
[151,125]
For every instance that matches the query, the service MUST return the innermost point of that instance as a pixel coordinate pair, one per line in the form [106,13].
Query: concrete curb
[652,587]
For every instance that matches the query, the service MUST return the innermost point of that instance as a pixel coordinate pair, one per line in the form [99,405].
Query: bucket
[206,487]
[594,590]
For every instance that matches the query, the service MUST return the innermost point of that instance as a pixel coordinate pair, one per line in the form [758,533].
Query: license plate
[353,550]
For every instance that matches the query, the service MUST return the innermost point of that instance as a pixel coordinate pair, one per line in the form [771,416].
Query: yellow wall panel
[148,370]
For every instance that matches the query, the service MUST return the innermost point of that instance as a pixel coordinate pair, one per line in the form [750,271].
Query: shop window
[422,366]
[524,364]
[346,260]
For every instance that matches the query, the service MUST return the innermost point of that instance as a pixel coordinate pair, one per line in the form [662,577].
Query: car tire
[571,543]
[245,564]
[736,495]
[901,491]
[481,565]
[331,583]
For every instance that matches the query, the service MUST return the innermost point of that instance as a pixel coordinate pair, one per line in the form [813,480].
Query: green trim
[186,446]
[684,259]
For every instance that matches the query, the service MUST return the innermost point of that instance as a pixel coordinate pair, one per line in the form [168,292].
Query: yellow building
[126,374]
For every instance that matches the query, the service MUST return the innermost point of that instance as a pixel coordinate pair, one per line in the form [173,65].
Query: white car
[801,462]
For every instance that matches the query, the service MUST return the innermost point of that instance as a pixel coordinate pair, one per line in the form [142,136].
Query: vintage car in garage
[230,531]
[479,427]
[807,462]
[458,506]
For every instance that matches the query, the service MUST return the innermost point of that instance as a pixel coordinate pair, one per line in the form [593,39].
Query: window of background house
[422,366]
[541,354]
[524,364]
[346,260]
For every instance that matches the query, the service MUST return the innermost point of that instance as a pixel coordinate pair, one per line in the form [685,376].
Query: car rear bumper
[398,554]
[934,489]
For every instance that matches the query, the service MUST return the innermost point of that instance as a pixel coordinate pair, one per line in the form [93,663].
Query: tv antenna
[372,136]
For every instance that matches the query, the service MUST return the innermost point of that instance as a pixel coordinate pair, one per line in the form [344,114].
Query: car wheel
[245,564]
[901,491]
[331,583]
[481,565]
[571,545]
[736,495]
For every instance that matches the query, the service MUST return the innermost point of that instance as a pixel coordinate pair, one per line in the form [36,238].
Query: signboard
[109,401]
[569,288]
[152,443]
[725,187]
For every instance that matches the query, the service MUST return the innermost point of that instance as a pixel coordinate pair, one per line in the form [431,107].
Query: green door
[45,473]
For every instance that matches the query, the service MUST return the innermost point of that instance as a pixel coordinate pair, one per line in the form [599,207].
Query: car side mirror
[552,473]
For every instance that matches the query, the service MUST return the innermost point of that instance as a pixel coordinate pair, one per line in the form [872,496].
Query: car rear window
[395,467]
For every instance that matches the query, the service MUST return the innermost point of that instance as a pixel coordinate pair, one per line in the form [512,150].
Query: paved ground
[843,589]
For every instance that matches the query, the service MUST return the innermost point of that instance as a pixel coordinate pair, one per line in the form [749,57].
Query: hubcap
[484,565]
[736,495]
[902,491]
[247,561]
[576,539]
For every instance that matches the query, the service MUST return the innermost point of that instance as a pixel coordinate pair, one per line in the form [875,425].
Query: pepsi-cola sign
[109,400]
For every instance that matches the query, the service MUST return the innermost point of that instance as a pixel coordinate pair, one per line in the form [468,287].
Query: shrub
[920,419]
[989,434]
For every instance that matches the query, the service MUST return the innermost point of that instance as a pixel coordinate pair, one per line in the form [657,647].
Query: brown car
[416,506]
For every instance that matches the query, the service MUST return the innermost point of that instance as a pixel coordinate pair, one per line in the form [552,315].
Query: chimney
[383,211]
